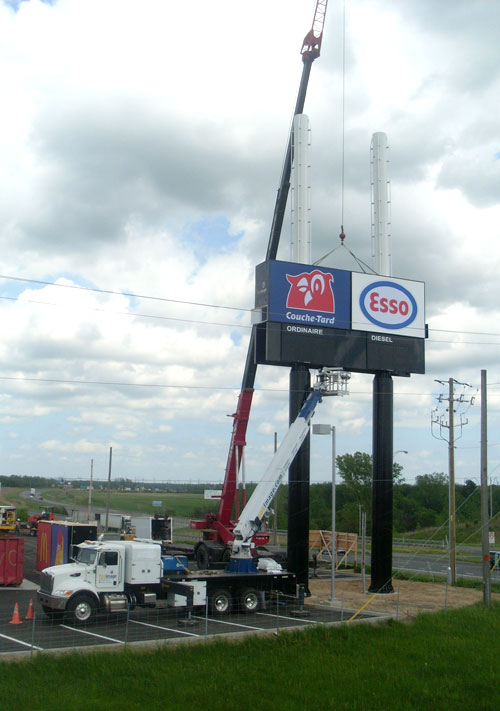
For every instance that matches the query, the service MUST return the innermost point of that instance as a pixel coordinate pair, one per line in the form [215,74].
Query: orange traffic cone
[16,620]
[30,614]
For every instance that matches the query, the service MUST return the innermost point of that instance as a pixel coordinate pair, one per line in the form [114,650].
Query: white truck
[119,575]
[115,576]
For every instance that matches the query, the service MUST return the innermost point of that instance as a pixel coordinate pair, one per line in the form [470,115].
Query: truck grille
[46,582]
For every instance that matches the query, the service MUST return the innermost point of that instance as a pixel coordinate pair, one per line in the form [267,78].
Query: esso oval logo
[388,305]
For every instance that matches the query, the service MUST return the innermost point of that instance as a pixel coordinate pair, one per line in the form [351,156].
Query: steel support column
[298,485]
[381,552]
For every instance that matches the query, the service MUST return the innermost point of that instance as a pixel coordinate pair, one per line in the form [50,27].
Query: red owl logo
[312,291]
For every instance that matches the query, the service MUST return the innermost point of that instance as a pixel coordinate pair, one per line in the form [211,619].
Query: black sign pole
[381,552]
[298,485]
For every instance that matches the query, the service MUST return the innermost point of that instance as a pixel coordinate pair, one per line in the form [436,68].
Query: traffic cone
[30,614]
[16,620]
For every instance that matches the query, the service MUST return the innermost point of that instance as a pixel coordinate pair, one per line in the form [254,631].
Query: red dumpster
[11,560]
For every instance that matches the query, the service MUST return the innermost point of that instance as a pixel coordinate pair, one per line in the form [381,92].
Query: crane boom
[221,523]
[253,514]
[311,47]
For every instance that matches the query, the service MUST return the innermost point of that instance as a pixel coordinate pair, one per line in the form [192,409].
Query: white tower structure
[300,247]
[381,221]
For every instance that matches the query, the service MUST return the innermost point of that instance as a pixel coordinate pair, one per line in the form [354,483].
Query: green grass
[439,661]
[467,533]
[470,583]
[11,497]
[181,505]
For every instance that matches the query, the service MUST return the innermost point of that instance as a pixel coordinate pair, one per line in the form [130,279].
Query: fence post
[206,616]
[126,625]
[33,636]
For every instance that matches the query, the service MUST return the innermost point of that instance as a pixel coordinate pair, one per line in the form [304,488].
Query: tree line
[423,504]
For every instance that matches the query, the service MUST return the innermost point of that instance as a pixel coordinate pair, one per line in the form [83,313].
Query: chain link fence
[29,631]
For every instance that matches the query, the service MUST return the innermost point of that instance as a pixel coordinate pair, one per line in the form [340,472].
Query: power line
[118,383]
[198,303]
[120,293]
[206,322]
[132,313]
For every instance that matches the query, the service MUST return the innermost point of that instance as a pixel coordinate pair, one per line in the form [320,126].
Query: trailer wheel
[202,556]
[220,602]
[248,600]
[82,609]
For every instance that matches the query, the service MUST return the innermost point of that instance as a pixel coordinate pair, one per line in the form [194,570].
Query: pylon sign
[326,317]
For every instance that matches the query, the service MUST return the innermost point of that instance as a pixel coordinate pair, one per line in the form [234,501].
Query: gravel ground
[408,599]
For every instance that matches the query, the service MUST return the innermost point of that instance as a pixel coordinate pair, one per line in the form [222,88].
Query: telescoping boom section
[330,381]
[253,514]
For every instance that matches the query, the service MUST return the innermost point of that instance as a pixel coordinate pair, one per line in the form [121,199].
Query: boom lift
[218,528]
[329,382]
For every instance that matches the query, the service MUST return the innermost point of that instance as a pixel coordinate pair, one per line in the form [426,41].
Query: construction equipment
[7,519]
[329,382]
[218,528]
[47,515]
[117,576]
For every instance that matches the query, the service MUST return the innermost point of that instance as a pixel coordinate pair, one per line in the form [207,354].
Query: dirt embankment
[408,599]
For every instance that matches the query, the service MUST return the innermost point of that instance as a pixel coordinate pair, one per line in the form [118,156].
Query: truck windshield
[86,555]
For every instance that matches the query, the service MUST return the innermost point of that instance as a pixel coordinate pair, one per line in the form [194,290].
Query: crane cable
[342,234]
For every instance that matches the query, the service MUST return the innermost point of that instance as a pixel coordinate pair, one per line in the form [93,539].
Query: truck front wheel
[82,609]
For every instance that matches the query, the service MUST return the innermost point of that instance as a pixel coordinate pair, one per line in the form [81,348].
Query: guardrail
[419,543]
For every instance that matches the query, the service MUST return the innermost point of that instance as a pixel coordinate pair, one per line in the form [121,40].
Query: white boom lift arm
[330,382]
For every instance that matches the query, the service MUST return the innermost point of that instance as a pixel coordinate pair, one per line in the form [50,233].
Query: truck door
[108,571]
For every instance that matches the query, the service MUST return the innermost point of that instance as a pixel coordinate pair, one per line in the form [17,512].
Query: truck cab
[101,576]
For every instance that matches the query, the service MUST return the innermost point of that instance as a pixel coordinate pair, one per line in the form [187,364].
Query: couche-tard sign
[334,298]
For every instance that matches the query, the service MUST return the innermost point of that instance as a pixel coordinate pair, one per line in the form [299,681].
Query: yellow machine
[7,519]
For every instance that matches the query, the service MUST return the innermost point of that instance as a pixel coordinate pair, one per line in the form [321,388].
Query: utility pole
[449,424]
[451,470]
[275,502]
[484,495]
[109,487]
[89,511]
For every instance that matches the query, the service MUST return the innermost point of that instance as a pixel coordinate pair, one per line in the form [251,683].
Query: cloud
[141,152]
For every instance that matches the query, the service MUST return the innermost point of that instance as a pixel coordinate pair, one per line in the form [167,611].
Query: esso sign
[388,305]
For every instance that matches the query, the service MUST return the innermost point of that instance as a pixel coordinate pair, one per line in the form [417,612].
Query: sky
[141,146]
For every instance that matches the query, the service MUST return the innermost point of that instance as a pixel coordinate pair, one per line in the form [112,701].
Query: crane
[330,381]
[218,528]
